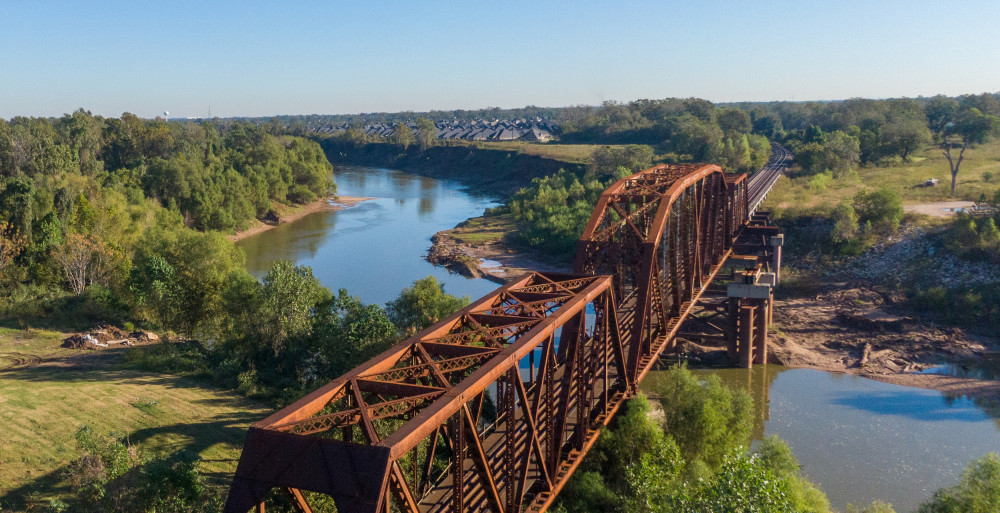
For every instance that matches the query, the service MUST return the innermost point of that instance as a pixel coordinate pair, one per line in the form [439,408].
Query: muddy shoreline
[320,205]
[853,329]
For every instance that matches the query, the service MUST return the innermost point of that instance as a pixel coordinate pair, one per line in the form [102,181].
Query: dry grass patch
[45,401]
[904,178]
[571,153]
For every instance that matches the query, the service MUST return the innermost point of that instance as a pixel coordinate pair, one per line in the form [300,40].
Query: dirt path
[320,205]
[939,209]
[852,330]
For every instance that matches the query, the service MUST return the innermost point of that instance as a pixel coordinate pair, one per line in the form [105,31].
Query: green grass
[483,230]
[47,393]
[796,193]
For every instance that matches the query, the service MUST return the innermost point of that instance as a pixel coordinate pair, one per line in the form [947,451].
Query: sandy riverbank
[321,205]
[494,260]
[843,327]
[853,330]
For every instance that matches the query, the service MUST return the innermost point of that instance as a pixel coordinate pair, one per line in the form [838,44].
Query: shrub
[707,419]
[114,476]
[977,492]
[974,240]
[820,181]
[175,358]
[301,194]
[882,208]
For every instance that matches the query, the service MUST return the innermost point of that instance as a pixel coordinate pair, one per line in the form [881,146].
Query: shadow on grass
[180,440]
[198,437]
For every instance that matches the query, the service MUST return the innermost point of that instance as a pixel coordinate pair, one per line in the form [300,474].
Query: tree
[845,223]
[958,128]
[346,332]
[181,276]
[84,259]
[11,245]
[734,120]
[422,305]
[743,484]
[287,297]
[402,134]
[606,160]
[904,136]
[426,133]
[777,456]
[708,420]
[977,492]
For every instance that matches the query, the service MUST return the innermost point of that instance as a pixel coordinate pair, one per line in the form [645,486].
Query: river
[860,440]
[376,248]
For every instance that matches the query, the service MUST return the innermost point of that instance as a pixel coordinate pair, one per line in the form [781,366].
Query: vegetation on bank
[686,450]
[163,414]
[694,458]
[118,220]
[486,170]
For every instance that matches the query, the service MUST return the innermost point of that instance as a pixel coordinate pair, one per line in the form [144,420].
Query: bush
[777,456]
[707,419]
[175,358]
[974,240]
[422,305]
[114,476]
[300,194]
[882,208]
[977,492]
[820,181]
[974,307]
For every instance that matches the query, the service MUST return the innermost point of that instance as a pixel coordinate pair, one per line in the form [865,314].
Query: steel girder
[663,234]
[493,408]
[511,391]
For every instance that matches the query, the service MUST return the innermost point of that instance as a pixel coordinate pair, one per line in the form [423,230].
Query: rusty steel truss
[493,408]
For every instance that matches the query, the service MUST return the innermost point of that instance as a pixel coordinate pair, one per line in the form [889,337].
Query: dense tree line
[690,130]
[103,209]
[550,214]
[836,136]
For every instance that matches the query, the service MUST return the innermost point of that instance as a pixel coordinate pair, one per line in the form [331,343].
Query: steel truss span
[494,408]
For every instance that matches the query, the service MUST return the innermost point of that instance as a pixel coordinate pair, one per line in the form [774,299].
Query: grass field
[902,178]
[572,153]
[483,230]
[47,393]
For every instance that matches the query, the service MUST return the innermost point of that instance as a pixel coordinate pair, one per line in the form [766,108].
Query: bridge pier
[750,306]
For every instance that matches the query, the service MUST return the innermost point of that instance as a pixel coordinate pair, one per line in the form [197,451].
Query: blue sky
[262,58]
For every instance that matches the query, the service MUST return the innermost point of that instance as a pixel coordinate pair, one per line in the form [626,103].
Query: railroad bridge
[493,408]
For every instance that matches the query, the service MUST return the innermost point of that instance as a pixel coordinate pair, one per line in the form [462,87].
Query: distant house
[536,134]
[509,134]
[485,135]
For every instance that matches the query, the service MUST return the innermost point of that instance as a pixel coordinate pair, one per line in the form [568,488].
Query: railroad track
[763,180]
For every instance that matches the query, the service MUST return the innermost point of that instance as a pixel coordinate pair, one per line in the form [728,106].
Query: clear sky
[247,58]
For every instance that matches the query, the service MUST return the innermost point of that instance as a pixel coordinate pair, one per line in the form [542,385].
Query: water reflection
[375,248]
[863,440]
[905,404]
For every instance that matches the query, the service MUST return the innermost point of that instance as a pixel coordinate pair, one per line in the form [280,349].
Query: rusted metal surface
[494,408]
